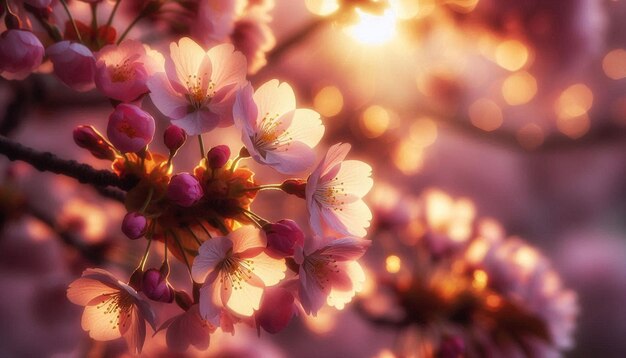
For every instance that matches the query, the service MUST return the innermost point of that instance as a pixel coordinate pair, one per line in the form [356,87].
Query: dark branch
[46,161]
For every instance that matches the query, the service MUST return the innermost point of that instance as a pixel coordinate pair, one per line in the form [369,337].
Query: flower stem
[201,143]
[112,15]
[69,15]
[194,235]
[255,216]
[147,202]
[182,251]
[263,187]
[94,17]
[142,265]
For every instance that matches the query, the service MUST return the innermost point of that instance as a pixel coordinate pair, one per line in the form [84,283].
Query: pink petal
[246,238]
[229,66]
[165,98]
[136,333]
[245,110]
[210,253]
[291,159]
[84,290]
[187,59]
[210,302]
[311,294]
[198,122]
[347,248]
[274,98]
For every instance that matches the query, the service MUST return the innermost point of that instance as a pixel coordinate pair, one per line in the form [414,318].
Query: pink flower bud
[184,190]
[74,64]
[21,53]
[174,138]
[130,128]
[134,225]
[452,347]
[276,309]
[295,187]
[282,237]
[154,285]
[89,138]
[218,156]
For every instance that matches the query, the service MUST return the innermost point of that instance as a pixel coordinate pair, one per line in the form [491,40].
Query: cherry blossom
[274,131]
[198,87]
[334,193]
[235,270]
[113,309]
[123,70]
[329,272]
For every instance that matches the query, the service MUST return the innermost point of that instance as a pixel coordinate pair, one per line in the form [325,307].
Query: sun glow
[373,29]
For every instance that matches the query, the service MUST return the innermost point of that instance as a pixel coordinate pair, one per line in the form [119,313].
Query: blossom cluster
[458,286]
[243,268]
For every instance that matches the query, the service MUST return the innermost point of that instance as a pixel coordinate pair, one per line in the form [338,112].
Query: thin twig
[46,161]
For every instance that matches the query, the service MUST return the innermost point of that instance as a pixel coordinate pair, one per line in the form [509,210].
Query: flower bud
[21,53]
[282,237]
[74,64]
[89,138]
[154,285]
[134,225]
[130,128]
[184,189]
[452,347]
[295,187]
[174,138]
[276,309]
[218,156]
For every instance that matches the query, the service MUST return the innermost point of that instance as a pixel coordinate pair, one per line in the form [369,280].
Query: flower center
[321,266]
[198,92]
[270,136]
[122,72]
[331,194]
[235,270]
[126,128]
[118,304]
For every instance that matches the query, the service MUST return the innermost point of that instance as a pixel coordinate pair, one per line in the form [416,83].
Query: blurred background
[516,107]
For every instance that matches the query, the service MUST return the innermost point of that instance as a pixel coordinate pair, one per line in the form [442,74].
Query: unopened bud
[89,138]
[295,187]
[174,138]
[282,237]
[218,156]
[154,285]
[134,225]
[184,189]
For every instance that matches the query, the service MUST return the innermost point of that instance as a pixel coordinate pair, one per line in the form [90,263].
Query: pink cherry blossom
[253,37]
[334,193]
[113,309]
[274,131]
[329,272]
[74,64]
[198,89]
[187,329]
[21,53]
[215,21]
[123,70]
[235,270]
[130,129]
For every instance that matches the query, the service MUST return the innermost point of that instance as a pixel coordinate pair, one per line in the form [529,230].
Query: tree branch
[46,161]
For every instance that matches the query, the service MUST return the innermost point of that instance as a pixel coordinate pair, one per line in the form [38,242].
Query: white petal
[245,299]
[274,98]
[246,238]
[306,127]
[210,253]
[355,177]
[268,269]
[229,66]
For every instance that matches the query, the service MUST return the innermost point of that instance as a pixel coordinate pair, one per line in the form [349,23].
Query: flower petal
[229,66]
[210,253]
[84,290]
[246,238]
[197,122]
[291,159]
[165,98]
[268,269]
[187,59]
[274,98]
